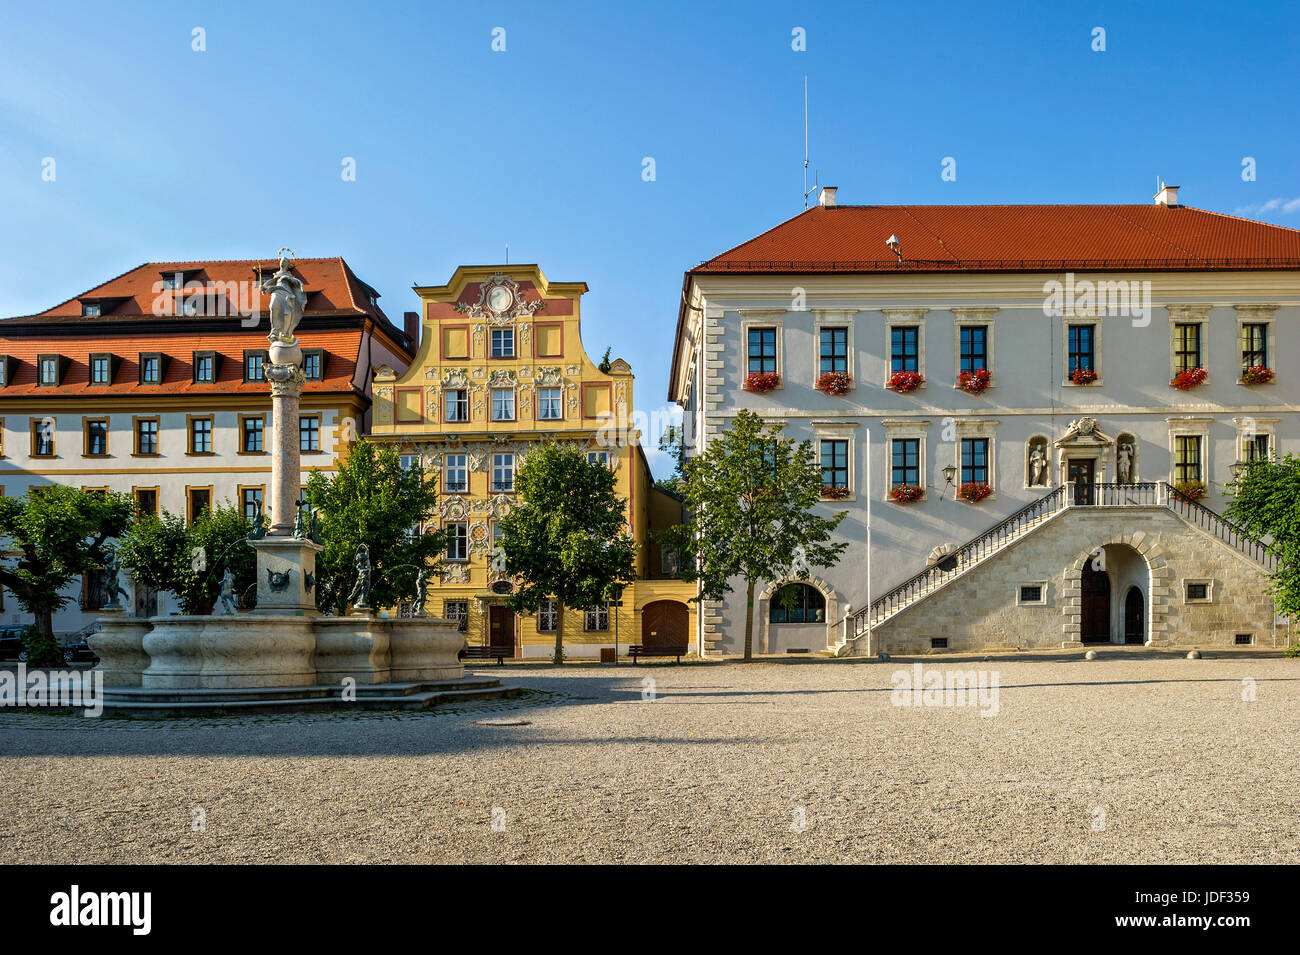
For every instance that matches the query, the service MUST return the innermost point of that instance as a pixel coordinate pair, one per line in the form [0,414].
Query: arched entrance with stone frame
[777,638]
[1129,562]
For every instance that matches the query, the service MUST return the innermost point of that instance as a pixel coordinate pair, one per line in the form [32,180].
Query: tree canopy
[1266,505]
[566,539]
[751,502]
[189,561]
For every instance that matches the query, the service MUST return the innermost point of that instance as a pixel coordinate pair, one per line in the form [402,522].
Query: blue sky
[162,152]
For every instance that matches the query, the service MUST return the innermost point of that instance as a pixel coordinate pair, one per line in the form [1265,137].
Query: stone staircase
[1027,520]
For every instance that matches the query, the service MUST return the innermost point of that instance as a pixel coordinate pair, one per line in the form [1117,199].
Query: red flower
[835,492]
[1188,379]
[974,381]
[905,381]
[1083,376]
[973,491]
[1190,490]
[905,493]
[834,383]
[1256,375]
[762,381]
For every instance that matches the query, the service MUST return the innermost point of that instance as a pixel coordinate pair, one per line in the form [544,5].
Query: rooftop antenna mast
[806,190]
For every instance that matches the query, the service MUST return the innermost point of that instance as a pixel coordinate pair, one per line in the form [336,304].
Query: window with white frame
[761,354]
[503,343]
[598,457]
[548,616]
[503,473]
[457,610]
[457,404]
[550,404]
[455,470]
[458,541]
[597,618]
[503,404]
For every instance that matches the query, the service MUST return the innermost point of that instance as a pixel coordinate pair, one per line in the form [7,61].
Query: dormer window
[101,369]
[253,365]
[173,280]
[48,368]
[313,364]
[91,310]
[5,371]
[150,368]
[205,366]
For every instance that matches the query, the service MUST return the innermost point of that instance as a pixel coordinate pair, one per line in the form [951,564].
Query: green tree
[750,500]
[54,534]
[371,499]
[672,442]
[189,561]
[1266,505]
[566,539]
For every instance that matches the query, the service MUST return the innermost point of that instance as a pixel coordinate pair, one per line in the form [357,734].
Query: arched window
[797,603]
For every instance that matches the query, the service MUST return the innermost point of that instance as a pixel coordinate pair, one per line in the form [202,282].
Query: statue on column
[288,300]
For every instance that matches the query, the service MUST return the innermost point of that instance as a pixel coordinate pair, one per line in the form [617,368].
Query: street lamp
[949,473]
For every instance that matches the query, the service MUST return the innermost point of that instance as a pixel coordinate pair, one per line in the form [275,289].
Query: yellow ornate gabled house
[501,367]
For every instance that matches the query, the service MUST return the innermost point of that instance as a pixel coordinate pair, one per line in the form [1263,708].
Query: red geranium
[1083,376]
[1188,379]
[1256,375]
[1190,490]
[973,491]
[762,381]
[834,382]
[905,381]
[905,493]
[836,492]
[974,381]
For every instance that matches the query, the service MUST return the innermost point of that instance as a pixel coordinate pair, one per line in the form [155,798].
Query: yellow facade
[501,367]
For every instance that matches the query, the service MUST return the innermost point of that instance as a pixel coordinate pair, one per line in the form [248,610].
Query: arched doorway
[1094,593]
[665,623]
[1135,607]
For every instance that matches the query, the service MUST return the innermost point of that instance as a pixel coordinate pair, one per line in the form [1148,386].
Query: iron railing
[1143,494]
[1207,520]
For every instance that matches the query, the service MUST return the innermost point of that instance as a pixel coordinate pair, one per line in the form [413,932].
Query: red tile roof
[1012,238]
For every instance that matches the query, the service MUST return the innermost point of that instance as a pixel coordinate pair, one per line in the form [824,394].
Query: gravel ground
[718,767]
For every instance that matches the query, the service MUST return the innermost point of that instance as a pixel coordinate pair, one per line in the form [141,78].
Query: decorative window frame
[965,318]
[34,425]
[1210,595]
[189,500]
[109,359]
[85,435]
[157,496]
[839,431]
[845,318]
[239,495]
[905,428]
[265,434]
[762,318]
[320,432]
[1257,315]
[135,436]
[1249,425]
[419,405]
[251,353]
[442,342]
[491,403]
[904,318]
[319,353]
[189,435]
[1043,601]
[444,487]
[1095,320]
[978,428]
[162,367]
[1190,426]
[58,370]
[194,367]
[536,339]
[1193,315]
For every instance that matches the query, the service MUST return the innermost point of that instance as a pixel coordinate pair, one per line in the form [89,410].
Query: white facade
[1030,402]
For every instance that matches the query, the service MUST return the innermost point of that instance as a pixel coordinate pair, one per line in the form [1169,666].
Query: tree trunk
[44,621]
[749,620]
[558,658]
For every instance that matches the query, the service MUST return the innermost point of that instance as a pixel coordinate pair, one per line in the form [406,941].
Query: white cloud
[1285,206]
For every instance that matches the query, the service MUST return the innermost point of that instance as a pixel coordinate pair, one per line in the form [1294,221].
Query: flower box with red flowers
[905,381]
[1190,490]
[761,381]
[1256,375]
[905,493]
[1083,376]
[974,382]
[835,492]
[834,383]
[1188,378]
[974,491]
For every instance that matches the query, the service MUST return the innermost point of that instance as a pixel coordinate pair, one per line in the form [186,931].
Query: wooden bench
[641,650]
[487,653]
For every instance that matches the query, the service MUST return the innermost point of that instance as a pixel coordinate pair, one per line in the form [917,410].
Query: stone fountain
[285,654]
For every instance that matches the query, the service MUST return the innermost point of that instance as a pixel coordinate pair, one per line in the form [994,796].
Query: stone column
[286,461]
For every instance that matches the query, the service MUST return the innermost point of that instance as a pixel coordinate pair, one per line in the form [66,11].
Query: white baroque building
[1048,496]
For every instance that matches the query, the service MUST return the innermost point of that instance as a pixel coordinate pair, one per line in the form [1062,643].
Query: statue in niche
[1037,465]
[1124,463]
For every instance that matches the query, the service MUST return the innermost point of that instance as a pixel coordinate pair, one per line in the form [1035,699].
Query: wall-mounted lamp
[949,473]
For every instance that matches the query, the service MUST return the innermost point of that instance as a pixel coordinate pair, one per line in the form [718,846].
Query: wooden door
[1094,627]
[665,623]
[501,628]
[1135,630]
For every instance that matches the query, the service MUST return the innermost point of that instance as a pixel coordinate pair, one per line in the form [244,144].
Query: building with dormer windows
[501,367]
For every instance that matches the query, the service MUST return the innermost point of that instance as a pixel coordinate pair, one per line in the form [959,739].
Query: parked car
[80,652]
[11,644]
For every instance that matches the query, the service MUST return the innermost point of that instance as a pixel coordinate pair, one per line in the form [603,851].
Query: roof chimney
[411,325]
[1167,196]
[826,197]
